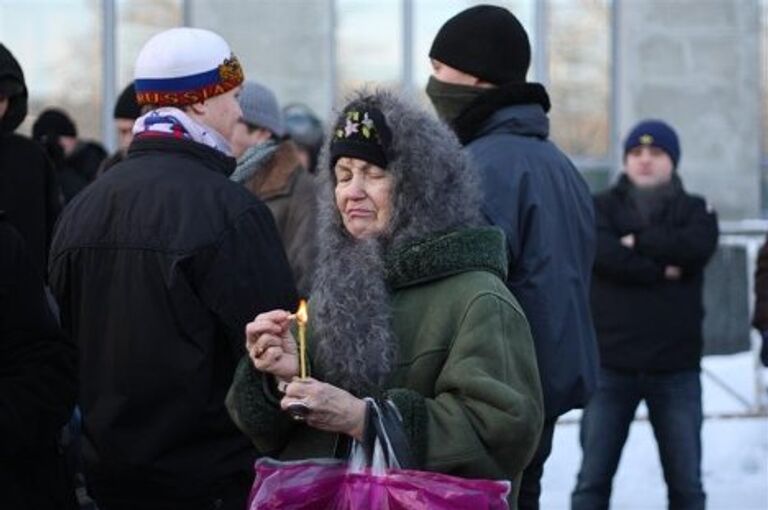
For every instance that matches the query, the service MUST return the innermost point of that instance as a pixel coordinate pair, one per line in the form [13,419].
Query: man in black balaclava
[533,192]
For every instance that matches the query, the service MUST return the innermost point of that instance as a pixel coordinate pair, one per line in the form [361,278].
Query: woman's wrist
[359,409]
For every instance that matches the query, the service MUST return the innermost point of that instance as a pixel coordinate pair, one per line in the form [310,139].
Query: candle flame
[301,313]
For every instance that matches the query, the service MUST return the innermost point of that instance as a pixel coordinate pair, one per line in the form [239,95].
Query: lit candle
[301,320]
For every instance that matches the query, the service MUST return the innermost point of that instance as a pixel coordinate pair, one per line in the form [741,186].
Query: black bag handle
[383,422]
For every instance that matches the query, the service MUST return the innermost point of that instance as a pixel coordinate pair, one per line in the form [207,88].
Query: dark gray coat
[543,205]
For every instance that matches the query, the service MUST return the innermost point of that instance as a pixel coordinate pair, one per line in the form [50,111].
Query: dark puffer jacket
[645,322]
[157,267]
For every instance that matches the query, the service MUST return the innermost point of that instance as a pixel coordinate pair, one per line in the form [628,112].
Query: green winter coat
[466,382]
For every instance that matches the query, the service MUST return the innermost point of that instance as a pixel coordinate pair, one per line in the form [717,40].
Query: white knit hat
[183,66]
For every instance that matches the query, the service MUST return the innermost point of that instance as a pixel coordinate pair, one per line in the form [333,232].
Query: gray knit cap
[260,108]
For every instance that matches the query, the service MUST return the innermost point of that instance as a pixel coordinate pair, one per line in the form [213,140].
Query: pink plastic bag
[328,485]
[371,479]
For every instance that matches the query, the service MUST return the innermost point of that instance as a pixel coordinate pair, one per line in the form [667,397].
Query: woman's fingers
[268,358]
[327,407]
[274,322]
[301,388]
[264,342]
[253,330]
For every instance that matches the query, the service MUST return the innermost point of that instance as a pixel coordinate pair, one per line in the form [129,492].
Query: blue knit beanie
[655,133]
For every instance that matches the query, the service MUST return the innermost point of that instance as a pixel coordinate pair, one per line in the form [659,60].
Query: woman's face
[363,197]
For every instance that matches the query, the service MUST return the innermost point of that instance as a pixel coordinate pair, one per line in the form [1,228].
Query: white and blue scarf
[169,121]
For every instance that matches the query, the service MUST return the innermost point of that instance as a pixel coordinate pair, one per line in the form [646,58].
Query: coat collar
[520,106]
[210,157]
[442,255]
[277,176]
[623,185]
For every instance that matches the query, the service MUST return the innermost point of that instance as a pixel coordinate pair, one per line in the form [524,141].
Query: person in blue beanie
[653,241]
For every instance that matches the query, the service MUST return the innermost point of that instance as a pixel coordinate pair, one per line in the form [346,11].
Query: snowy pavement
[735,464]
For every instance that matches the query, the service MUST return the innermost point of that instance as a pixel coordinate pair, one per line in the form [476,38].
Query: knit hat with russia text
[183,66]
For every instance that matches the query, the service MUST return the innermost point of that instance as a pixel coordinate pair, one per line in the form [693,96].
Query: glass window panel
[368,43]
[284,44]
[430,15]
[764,101]
[764,60]
[136,22]
[58,45]
[579,41]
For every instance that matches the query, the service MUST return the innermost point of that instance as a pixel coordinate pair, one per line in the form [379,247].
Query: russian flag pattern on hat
[183,66]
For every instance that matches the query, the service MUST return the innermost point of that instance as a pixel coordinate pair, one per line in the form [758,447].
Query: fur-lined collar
[443,255]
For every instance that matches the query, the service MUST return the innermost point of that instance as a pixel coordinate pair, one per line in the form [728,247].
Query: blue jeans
[675,413]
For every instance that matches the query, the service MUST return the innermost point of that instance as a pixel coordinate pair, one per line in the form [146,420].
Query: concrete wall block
[713,57]
[685,14]
[696,64]
[663,56]
[281,44]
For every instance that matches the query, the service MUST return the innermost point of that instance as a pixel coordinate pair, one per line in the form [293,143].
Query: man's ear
[198,108]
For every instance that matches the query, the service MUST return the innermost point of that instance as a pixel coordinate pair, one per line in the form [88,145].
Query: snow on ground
[735,464]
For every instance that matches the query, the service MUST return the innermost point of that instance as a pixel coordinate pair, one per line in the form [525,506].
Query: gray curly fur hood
[435,191]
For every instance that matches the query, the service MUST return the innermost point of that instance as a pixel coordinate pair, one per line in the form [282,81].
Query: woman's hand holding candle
[271,345]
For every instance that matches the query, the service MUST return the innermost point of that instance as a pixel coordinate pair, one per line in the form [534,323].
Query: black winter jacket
[38,384]
[645,322]
[29,192]
[157,267]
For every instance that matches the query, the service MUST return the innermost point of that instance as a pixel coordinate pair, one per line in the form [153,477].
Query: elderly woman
[408,305]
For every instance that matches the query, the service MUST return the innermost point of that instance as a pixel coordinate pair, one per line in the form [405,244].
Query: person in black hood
[76,160]
[654,240]
[533,192]
[29,192]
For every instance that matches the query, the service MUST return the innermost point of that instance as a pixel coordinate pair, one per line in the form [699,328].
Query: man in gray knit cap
[261,120]
[269,166]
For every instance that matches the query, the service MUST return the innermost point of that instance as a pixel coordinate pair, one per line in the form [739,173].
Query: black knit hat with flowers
[361,132]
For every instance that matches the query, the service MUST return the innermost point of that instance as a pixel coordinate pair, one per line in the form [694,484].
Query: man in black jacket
[533,192]
[38,384]
[654,240]
[157,267]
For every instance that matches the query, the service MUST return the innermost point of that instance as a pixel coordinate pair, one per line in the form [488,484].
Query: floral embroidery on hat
[350,128]
[355,126]
[368,126]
